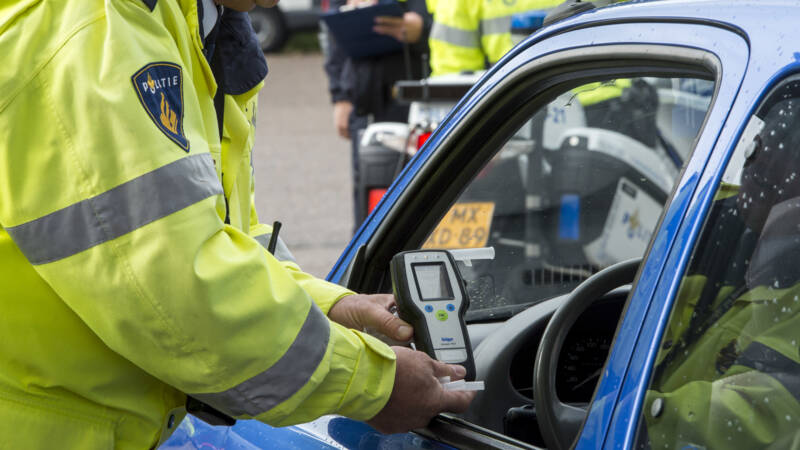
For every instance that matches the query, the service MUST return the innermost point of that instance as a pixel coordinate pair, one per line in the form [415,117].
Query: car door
[758,115]
[614,48]
[727,368]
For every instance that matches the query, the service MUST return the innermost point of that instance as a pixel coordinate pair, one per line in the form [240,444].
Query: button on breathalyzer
[430,295]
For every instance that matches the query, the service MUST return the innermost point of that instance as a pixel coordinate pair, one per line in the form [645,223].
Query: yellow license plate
[466,225]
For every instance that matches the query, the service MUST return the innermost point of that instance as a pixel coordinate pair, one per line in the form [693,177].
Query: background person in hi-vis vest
[471,35]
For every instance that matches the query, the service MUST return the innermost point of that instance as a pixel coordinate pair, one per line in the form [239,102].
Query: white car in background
[273,26]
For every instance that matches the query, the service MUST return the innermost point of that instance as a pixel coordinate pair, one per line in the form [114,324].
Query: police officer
[134,271]
[728,371]
[473,34]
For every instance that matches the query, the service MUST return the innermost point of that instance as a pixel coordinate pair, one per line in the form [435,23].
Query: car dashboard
[582,357]
[505,357]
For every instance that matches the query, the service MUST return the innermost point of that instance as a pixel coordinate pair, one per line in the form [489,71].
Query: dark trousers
[356,125]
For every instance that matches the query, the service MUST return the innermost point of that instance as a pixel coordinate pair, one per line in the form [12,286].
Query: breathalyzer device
[430,296]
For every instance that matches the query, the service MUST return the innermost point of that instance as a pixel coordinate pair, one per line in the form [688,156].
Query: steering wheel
[558,421]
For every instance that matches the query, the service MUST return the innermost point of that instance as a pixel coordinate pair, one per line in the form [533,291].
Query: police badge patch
[160,89]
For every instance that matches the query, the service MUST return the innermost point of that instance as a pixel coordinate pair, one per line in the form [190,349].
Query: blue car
[635,169]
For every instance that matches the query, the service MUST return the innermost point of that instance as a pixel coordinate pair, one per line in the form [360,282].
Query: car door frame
[765,69]
[387,230]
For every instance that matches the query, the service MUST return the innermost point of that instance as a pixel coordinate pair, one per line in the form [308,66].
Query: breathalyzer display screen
[432,281]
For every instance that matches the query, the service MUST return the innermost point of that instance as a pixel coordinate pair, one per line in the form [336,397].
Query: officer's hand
[405,29]
[371,311]
[417,395]
[341,117]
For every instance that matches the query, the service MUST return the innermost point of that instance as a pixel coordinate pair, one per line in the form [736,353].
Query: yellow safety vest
[468,34]
[599,92]
[123,289]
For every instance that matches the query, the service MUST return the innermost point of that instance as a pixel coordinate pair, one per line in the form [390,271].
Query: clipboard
[352,30]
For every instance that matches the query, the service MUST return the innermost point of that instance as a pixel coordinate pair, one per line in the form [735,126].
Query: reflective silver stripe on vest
[282,252]
[288,375]
[498,25]
[118,211]
[455,36]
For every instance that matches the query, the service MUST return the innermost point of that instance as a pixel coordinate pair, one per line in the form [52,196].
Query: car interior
[565,172]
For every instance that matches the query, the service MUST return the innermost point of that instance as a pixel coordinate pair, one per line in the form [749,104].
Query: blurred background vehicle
[273,26]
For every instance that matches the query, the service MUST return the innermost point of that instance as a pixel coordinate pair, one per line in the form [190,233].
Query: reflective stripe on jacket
[468,34]
[122,287]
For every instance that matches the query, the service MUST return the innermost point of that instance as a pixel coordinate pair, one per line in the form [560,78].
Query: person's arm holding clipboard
[368,27]
[407,28]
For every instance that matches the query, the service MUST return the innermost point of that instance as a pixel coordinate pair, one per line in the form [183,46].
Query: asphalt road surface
[302,168]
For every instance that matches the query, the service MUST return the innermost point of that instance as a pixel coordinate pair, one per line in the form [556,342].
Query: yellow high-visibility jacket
[736,386]
[468,34]
[122,289]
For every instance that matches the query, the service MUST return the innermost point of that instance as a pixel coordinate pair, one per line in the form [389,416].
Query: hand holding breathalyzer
[373,312]
[418,395]
[430,295]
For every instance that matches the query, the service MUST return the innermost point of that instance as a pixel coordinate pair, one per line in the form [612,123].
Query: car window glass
[578,187]
[727,372]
